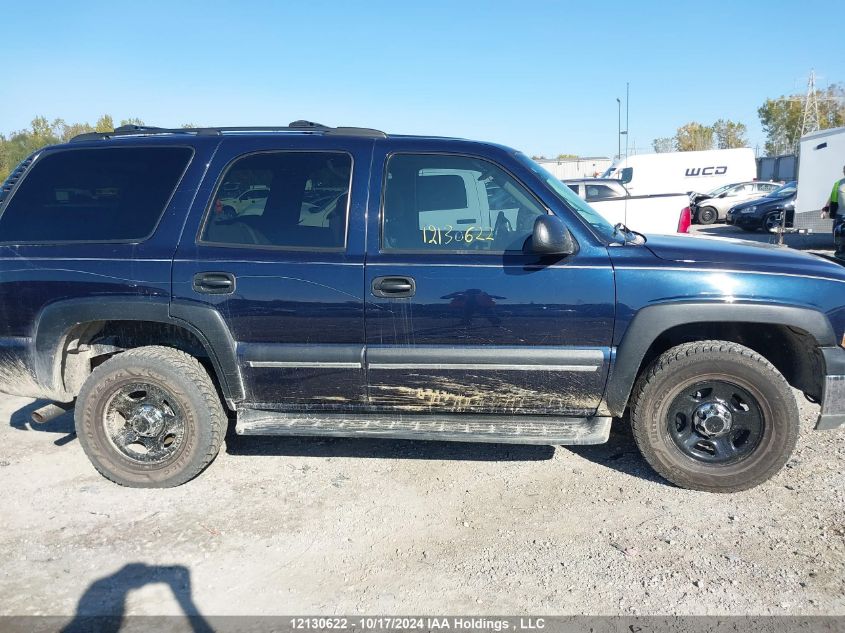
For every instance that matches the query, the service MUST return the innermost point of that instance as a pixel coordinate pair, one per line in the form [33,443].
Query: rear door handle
[394,287]
[214,283]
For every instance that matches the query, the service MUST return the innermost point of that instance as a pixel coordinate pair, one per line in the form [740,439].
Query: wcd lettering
[706,171]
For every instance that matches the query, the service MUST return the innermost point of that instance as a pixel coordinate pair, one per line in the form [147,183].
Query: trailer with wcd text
[684,172]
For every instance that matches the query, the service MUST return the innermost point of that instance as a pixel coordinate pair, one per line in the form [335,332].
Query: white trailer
[821,156]
[820,161]
[684,172]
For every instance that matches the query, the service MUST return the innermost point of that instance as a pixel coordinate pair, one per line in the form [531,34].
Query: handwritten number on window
[440,236]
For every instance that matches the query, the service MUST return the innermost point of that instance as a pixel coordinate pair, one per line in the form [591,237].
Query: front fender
[651,321]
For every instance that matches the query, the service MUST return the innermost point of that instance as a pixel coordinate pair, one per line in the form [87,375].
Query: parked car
[765,213]
[250,202]
[661,213]
[415,310]
[715,205]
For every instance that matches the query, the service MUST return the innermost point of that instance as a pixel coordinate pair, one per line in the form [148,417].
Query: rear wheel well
[89,345]
[794,352]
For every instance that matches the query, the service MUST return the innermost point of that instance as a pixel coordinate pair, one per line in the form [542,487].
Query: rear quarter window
[595,192]
[94,195]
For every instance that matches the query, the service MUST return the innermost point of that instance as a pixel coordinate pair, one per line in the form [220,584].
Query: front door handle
[214,283]
[394,287]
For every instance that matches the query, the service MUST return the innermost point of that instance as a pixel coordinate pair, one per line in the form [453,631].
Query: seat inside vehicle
[281,221]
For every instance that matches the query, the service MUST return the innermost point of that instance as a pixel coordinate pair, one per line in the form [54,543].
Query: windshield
[601,226]
[784,191]
[719,190]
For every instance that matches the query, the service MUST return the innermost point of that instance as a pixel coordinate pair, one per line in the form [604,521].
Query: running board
[533,429]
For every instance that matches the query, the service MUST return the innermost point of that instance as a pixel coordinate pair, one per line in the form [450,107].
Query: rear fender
[58,320]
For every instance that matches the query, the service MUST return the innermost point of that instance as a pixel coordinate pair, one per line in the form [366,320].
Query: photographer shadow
[102,607]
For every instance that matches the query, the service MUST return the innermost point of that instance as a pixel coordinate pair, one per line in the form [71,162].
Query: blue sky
[539,76]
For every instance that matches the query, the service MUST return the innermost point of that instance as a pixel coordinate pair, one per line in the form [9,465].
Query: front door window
[442,203]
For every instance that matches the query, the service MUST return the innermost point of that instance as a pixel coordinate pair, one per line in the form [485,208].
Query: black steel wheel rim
[715,422]
[773,220]
[707,215]
[144,423]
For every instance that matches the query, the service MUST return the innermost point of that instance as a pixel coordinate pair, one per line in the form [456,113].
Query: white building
[583,167]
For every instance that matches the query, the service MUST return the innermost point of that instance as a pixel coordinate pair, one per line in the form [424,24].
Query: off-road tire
[682,366]
[707,215]
[187,382]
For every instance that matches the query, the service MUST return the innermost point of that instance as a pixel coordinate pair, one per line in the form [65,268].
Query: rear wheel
[150,418]
[707,215]
[714,416]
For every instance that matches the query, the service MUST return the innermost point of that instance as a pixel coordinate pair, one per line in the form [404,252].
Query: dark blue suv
[306,280]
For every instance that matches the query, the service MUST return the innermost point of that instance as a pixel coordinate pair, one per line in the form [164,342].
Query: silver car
[716,204]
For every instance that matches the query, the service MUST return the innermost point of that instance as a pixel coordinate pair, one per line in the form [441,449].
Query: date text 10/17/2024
[427,623]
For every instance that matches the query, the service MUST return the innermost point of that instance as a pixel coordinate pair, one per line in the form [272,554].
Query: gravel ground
[279,526]
[820,242]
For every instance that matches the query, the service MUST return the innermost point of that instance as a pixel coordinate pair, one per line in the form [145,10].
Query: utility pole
[627,125]
[618,128]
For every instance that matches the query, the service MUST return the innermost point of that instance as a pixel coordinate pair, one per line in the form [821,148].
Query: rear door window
[94,195]
[285,199]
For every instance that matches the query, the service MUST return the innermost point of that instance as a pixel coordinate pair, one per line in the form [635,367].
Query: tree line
[723,134]
[18,145]
[781,118]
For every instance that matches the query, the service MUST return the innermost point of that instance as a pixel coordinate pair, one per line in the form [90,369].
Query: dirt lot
[366,526]
[362,526]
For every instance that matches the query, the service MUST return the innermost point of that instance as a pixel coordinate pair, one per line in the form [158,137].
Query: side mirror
[627,175]
[551,237]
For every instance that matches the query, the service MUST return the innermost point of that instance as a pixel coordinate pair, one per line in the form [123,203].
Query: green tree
[781,120]
[729,134]
[5,159]
[75,129]
[783,117]
[132,121]
[663,144]
[18,145]
[104,124]
[41,132]
[567,156]
[693,137]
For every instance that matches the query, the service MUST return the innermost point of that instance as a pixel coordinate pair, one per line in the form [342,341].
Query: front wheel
[714,416]
[707,215]
[150,418]
[772,222]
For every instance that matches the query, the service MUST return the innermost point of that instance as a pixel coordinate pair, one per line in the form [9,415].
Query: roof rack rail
[295,126]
